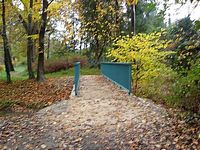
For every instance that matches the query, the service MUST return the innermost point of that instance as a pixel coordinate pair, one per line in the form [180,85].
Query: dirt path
[102,117]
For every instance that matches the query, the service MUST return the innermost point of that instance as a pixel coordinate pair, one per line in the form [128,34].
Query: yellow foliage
[132,2]
[1,67]
[145,51]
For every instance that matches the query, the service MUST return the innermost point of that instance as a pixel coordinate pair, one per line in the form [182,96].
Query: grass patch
[70,72]
[6,105]
[90,71]
[20,73]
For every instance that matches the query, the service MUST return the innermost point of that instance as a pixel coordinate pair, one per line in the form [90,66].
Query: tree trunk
[7,56]
[40,68]
[30,45]
[10,57]
[81,42]
[5,39]
[117,18]
[136,80]
[48,46]
[133,19]
[97,49]
[117,11]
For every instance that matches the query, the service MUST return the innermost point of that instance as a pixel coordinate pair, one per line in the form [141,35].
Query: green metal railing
[119,73]
[76,77]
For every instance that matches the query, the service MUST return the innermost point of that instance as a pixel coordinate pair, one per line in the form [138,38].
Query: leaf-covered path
[102,117]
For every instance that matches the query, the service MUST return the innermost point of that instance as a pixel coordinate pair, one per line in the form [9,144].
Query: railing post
[76,77]
[130,79]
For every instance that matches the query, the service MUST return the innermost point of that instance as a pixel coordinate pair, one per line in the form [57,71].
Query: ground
[101,117]
[25,95]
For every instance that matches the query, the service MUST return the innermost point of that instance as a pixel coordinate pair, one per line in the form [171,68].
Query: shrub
[1,67]
[54,65]
[152,77]
[157,88]
[77,58]
[186,89]
[145,52]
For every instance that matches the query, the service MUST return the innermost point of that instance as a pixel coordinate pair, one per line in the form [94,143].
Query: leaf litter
[101,117]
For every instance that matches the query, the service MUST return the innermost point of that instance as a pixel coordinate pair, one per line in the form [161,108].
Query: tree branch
[50,2]
[21,18]
[23,21]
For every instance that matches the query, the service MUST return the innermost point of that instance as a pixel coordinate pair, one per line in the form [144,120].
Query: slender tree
[7,56]
[132,4]
[30,42]
[31,29]
[42,31]
[99,25]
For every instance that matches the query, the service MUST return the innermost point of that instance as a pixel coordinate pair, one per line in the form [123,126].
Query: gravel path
[101,117]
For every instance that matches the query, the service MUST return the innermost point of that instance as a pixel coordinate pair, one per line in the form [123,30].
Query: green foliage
[186,87]
[197,23]
[158,88]
[89,71]
[186,44]
[57,49]
[1,68]
[186,90]
[148,17]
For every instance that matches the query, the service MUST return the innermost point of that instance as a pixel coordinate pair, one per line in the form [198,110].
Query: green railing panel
[119,73]
[76,77]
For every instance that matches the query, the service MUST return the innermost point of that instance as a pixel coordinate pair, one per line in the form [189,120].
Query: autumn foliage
[153,76]
[54,65]
[146,53]
[30,94]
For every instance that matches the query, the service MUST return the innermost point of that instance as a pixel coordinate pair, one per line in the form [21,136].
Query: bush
[54,65]
[186,89]
[1,67]
[82,59]
[152,78]
[146,53]
[157,88]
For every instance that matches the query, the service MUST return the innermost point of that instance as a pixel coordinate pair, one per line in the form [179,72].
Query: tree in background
[42,31]
[147,17]
[48,8]
[132,4]
[7,49]
[185,61]
[29,17]
[99,26]
[186,44]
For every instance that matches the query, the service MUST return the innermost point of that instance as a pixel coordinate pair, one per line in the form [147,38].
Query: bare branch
[50,2]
